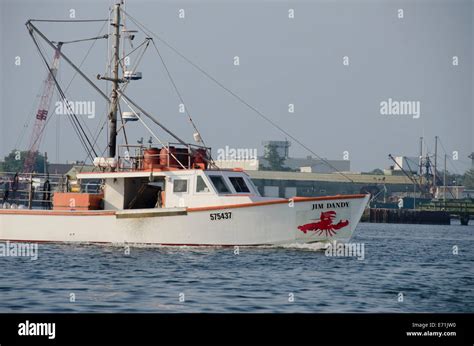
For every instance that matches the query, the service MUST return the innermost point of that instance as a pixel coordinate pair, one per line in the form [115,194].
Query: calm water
[415,260]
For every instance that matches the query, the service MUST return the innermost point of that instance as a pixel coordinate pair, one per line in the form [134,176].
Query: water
[414,260]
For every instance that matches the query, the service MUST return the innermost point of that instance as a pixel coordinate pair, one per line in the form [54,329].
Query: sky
[336,61]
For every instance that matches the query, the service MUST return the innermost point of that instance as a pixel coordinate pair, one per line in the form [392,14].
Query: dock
[407,216]
[457,208]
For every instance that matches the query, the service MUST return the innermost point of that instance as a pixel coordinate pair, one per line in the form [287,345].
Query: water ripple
[416,261]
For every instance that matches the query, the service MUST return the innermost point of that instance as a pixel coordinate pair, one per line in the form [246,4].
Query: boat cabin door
[159,186]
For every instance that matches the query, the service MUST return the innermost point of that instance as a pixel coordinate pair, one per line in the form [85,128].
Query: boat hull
[278,222]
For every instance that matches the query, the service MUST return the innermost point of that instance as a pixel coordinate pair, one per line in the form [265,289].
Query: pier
[457,208]
[435,212]
[407,216]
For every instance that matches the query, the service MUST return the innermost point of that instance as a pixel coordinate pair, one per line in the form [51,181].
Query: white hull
[266,223]
[168,195]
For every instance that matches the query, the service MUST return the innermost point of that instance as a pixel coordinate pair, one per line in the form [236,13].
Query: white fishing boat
[172,194]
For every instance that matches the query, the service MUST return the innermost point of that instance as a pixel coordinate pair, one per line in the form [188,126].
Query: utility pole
[115,84]
[471,156]
[427,172]
[45,163]
[421,161]
[444,179]
[414,196]
[435,162]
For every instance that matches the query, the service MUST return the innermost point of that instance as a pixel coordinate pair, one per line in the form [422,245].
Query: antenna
[114,100]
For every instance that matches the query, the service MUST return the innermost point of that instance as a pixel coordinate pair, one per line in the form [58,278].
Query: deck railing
[29,190]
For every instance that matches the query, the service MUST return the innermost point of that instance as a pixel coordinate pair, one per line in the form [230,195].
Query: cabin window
[252,186]
[219,184]
[180,185]
[239,184]
[201,185]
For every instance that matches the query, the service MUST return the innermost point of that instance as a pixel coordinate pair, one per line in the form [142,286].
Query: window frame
[209,188]
[252,186]
[244,182]
[223,180]
[181,179]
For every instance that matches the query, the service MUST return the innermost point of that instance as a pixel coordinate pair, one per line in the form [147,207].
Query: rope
[83,40]
[73,118]
[448,156]
[153,134]
[176,90]
[68,20]
[75,126]
[240,99]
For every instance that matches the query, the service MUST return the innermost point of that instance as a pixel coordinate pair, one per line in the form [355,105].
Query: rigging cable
[76,72]
[175,87]
[448,156]
[19,141]
[76,125]
[50,73]
[72,79]
[151,132]
[240,99]
[123,125]
[83,40]
[68,20]
[186,108]
[128,83]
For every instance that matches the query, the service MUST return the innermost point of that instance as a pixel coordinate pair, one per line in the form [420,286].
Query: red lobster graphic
[325,224]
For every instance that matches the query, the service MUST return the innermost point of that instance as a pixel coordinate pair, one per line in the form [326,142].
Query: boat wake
[318,246]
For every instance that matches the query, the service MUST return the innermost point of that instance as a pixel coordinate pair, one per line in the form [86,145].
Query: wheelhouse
[173,189]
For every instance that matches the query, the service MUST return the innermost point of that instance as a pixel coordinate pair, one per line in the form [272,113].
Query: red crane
[42,114]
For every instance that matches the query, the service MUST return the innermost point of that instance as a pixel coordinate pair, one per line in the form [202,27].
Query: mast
[444,179]
[421,160]
[115,83]
[435,173]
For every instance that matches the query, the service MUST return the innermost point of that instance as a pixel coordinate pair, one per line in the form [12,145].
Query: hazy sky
[282,61]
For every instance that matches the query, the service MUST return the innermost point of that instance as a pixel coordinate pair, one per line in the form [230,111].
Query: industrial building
[290,184]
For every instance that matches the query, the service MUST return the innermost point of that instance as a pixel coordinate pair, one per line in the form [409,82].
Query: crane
[42,113]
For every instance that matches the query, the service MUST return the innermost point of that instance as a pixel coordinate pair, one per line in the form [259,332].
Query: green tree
[15,161]
[452,179]
[376,171]
[275,161]
[468,179]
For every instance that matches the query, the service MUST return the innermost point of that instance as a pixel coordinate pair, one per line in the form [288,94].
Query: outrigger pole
[114,99]
[74,121]
[32,27]
[152,118]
